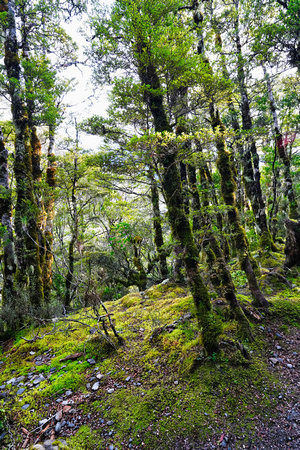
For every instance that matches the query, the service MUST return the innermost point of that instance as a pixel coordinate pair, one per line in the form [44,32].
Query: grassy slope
[173,391]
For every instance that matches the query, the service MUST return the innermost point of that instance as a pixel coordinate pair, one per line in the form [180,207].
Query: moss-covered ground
[158,390]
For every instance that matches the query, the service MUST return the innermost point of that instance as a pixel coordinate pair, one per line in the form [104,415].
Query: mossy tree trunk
[250,156]
[9,258]
[49,210]
[157,221]
[74,235]
[171,182]
[228,187]
[292,244]
[27,246]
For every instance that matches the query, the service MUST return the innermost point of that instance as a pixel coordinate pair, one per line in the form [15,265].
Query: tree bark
[250,155]
[171,182]
[49,210]
[158,233]
[27,246]
[9,300]
[228,187]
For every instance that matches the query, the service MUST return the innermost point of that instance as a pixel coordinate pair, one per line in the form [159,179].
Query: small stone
[66,408]
[110,422]
[176,382]
[142,329]
[58,415]
[31,353]
[128,378]
[3,386]
[53,369]
[58,427]
[25,406]
[95,386]
[39,379]
[19,379]
[70,424]
[91,361]
[278,335]
[111,447]
[278,347]
[11,381]
[68,393]
[88,385]
[289,366]
[110,391]
[43,422]
[20,391]
[38,447]
[274,360]
[59,400]
[99,376]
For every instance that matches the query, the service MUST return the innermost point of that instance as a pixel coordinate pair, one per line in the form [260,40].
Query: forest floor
[157,390]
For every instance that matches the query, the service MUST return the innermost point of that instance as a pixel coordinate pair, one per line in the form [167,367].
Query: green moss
[131,299]
[288,310]
[86,439]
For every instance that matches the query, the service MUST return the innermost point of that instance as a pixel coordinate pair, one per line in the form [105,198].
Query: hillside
[157,390]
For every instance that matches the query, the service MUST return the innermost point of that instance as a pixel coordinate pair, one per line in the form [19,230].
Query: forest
[186,212]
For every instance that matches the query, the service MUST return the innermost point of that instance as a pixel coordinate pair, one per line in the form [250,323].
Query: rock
[43,422]
[99,376]
[111,447]
[20,391]
[110,422]
[31,353]
[58,427]
[38,447]
[59,400]
[19,379]
[66,408]
[71,424]
[25,406]
[91,361]
[274,360]
[110,391]
[95,386]
[48,444]
[58,415]
[3,386]
[39,379]
[289,366]
[68,393]
[11,381]
[128,378]
[176,382]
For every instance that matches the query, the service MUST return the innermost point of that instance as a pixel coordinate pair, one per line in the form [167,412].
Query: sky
[86,99]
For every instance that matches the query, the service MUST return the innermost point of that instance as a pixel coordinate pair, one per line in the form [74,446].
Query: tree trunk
[180,226]
[228,187]
[49,210]
[292,243]
[27,246]
[9,300]
[74,235]
[158,233]
[250,155]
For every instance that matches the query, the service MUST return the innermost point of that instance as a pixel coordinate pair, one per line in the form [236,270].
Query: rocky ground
[65,414]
